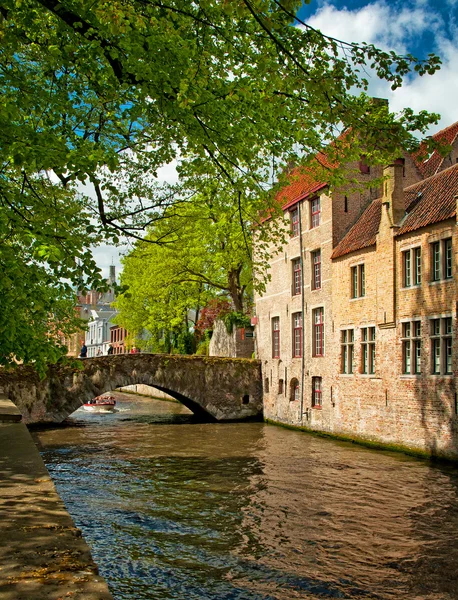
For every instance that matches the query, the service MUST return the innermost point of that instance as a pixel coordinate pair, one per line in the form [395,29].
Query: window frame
[411,267]
[294,222]
[297,337]
[441,345]
[318,331]
[316,269]
[275,337]
[358,281]
[441,260]
[297,276]
[317,392]
[294,395]
[368,348]
[411,342]
[347,351]
[315,212]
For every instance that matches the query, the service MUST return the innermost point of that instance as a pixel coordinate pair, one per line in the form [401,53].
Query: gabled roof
[431,165]
[429,201]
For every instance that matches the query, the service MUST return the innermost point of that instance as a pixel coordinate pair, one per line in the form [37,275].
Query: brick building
[337,299]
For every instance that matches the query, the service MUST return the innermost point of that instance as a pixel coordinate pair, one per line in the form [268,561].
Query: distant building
[86,303]
[117,339]
[98,336]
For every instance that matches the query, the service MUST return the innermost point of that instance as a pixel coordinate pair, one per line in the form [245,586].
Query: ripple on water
[174,508]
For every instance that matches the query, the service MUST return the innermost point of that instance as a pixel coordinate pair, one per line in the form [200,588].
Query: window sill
[439,281]
[346,375]
[316,289]
[358,298]
[317,407]
[443,375]
[411,376]
[406,288]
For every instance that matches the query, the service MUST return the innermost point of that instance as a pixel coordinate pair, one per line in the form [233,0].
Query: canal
[177,509]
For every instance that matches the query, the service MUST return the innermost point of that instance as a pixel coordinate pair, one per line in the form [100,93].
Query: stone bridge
[221,389]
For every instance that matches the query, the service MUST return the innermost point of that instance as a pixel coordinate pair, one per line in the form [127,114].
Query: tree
[200,251]
[107,92]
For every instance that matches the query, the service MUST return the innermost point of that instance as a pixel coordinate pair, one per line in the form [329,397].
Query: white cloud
[388,27]
[378,23]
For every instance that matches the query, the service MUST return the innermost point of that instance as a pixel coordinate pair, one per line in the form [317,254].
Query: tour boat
[101,404]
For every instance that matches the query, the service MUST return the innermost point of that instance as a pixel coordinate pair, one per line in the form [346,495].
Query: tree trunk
[235,289]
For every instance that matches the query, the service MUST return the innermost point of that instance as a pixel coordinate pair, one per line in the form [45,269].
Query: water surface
[174,508]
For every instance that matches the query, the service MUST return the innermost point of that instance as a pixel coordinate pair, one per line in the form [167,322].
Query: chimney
[393,191]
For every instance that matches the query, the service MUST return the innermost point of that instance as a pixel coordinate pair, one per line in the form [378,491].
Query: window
[318,331]
[347,338]
[266,385]
[294,387]
[297,335]
[317,392]
[296,276]
[411,348]
[368,350]
[363,166]
[276,337]
[441,346]
[411,266]
[280,386]
[345,204]
[316,270]
[315,212]
[442,260]
[358,281]
[294,214]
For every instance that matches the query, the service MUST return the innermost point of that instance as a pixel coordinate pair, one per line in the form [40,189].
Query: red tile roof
[431,165]
[431,201]
[363,233]
[304,181]
[427,202]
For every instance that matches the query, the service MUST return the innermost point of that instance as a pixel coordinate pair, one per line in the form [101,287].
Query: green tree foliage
[200,251]
[105,93]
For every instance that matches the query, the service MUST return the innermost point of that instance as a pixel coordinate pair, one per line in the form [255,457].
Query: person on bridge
[110,349]
[83,351]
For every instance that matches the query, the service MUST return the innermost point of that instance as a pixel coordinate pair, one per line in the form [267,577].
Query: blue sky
[413,26]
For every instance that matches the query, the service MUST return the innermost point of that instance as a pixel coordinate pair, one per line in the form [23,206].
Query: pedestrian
[83,351]
[110,349]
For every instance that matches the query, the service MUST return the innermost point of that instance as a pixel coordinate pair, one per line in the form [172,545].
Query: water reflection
[174,508]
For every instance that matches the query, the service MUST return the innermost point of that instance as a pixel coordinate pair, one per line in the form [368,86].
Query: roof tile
[429,201]
[431,165]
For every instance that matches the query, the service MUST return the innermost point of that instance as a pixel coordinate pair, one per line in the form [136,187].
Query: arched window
[294,390]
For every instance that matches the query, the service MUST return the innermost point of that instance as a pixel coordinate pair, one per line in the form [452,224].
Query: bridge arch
[222,389]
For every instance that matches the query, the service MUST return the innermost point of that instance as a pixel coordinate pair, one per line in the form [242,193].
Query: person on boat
[83,351]
[110,349]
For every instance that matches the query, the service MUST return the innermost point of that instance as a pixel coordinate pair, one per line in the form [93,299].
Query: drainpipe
[302,309]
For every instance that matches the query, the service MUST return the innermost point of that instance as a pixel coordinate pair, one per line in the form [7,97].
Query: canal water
[177,509]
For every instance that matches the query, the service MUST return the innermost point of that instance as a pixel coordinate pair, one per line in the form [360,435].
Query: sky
[418,27]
